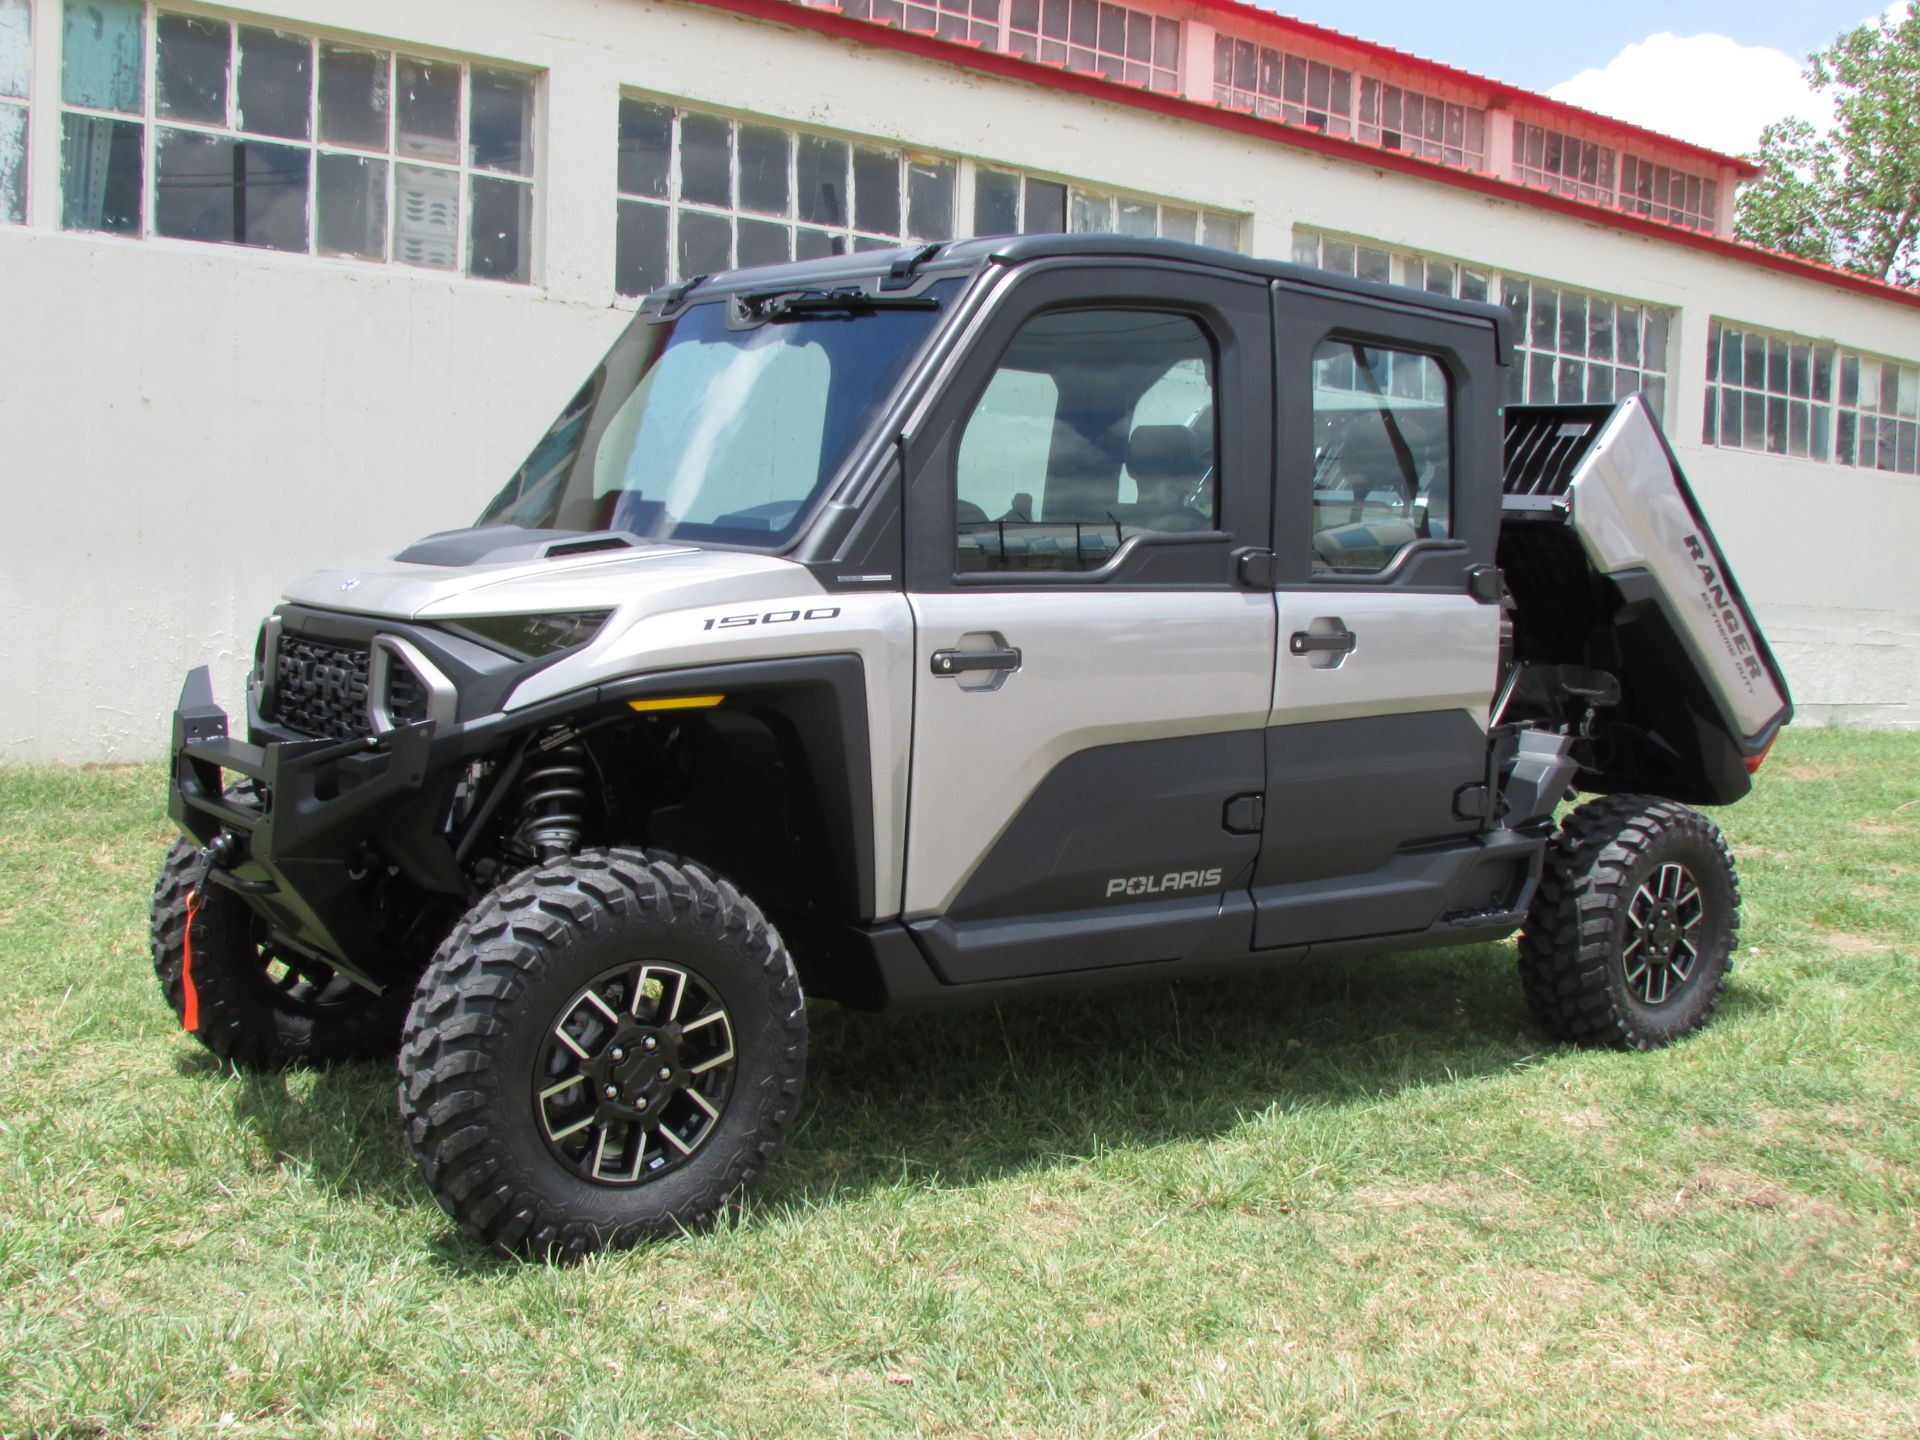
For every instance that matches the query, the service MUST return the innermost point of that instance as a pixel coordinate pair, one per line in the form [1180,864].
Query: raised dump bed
[1627,620]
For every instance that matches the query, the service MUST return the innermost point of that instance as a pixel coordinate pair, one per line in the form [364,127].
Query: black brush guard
[297,847]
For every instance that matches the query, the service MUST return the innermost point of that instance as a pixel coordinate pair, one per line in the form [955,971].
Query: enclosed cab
[945,623]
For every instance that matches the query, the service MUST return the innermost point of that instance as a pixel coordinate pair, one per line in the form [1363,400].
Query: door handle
[963,662]
[1340,642]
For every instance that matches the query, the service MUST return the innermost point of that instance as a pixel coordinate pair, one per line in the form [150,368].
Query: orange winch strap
[190,1005]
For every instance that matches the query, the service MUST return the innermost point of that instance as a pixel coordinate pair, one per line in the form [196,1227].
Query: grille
[320,687]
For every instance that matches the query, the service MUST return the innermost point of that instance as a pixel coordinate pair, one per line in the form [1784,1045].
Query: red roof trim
[1498,90]
[1012,67]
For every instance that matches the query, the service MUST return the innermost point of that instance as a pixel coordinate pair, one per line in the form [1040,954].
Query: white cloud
[1708,89]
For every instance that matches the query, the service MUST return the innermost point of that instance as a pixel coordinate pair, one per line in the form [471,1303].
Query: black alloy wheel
[607,1049]
[635,1072]
[1663,917]
[1633,930]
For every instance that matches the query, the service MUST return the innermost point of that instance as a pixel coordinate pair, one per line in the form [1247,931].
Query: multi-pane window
[1576,167]
[1399,119]
[1569,347]
[1008,204]
[16,70]
[1391,267]
[974,21]
[1573,348]
[1768,393]
[1279,86]
[247,135]
[1662,193]
[1788,395]
[1099,38]
[701,193]
[1879,425]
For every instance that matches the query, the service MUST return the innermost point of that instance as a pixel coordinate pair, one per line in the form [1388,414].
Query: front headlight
[534,637]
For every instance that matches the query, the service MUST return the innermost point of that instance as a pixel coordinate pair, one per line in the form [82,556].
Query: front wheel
[1632,932]
[606,1049]
[251,997]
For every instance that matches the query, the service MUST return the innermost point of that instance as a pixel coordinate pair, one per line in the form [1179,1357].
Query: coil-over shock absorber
[553,796]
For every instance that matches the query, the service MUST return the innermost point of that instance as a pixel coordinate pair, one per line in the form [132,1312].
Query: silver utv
[943,623]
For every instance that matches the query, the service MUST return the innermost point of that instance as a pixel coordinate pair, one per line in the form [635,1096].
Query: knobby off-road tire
[607,1049]
[260,1009]
[1632,932]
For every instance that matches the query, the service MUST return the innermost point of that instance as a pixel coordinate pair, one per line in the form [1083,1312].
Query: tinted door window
[1098,425]
[1382,458]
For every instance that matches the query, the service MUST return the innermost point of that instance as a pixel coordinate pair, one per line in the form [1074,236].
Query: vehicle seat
[1167,463]
[1363,547]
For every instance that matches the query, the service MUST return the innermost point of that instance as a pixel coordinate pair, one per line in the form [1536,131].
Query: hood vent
[587,544]
[507,544]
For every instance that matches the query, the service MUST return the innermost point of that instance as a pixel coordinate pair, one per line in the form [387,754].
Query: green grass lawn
[1342,1199]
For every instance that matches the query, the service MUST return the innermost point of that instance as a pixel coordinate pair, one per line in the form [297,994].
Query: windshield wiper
[778,305]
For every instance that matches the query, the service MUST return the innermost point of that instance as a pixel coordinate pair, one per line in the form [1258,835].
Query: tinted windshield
[698,429]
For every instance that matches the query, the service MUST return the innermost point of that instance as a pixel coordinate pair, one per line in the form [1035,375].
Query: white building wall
[184,428]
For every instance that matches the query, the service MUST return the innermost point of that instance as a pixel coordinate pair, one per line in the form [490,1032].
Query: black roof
[970,255]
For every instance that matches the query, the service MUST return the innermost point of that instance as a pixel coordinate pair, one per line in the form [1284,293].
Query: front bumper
[303,830]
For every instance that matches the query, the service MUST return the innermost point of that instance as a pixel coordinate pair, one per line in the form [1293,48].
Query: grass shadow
[338,1123]
[963,1096]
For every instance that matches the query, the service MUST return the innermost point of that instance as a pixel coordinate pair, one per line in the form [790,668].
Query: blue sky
[1539,45]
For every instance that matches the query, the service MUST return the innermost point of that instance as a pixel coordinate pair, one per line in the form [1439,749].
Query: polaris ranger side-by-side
[946,622]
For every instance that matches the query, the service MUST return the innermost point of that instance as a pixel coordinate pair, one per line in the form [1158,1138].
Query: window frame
[1840,423]
[25,103]
[1550,172]
[1698,207]
[848,234]
[1233,312]
[153,123]
[1212,357]
[1280,102]
[1346,336]
[1157,70]
[1520,377]
[1206,224]
[1210,226]
[1305,316]
[1422,272]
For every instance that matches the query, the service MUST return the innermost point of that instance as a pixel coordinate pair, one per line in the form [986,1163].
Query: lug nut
[618,1054]
[641,1103]
[650,1042]
[665,1073]
[612,1092]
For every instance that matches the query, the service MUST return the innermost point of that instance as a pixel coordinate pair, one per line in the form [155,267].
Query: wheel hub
[639,1069]
[634,1072]
[1660,948]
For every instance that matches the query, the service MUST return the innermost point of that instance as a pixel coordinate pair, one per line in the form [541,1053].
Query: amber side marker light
[676,702]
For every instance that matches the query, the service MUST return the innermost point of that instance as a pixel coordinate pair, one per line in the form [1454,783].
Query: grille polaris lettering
[320,689]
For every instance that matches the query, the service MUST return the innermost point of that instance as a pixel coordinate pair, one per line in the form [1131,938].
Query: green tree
[1850,197]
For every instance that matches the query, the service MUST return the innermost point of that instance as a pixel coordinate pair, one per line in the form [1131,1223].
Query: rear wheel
[260,1004]
[608,1048]
[1632,932]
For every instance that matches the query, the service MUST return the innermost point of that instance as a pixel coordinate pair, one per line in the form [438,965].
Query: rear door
[1092,677]
[1386,509]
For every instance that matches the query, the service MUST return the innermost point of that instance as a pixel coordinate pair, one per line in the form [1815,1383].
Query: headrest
[1164,452]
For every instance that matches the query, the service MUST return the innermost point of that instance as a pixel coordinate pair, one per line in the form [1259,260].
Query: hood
[505,570]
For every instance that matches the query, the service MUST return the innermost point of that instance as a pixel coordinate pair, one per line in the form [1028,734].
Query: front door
[1387,506]
[1092,679]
